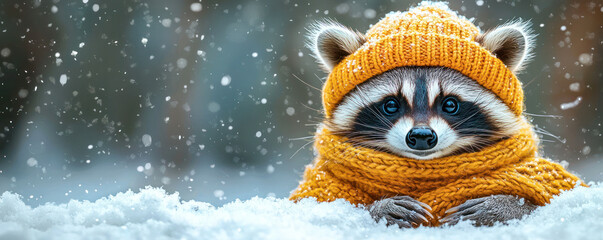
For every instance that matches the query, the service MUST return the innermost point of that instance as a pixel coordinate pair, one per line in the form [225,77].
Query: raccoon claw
[403,211]
[488,210]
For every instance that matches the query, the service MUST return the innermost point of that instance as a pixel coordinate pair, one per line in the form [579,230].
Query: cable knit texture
[428,35]
[362,176]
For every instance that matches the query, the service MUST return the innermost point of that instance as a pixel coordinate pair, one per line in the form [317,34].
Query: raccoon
[425,113]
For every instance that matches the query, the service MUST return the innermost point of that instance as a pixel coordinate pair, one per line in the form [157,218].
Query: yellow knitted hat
[427,35]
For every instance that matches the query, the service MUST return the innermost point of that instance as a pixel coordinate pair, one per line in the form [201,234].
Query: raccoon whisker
[364,138]
[339,156]
[530,82]
[486,136]
[547,133]
[319,79]
[472,115]
[454,126]
[376,128]
[478,133]
[476,129]
[367,144]
[362,135]
[474,145]
[481,132]
[307,84]
[543,115]
[314,109]
[316,122]
[301,148]
[333,128]
[301,138]
[367,138]
[371,127]
[486,141]
[379,115]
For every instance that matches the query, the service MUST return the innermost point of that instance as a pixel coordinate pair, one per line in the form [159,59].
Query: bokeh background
[217,99]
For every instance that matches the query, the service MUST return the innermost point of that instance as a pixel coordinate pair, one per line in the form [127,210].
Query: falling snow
[147,140]
[5,52]
[565,106]
[181,63]
[32,162]
[63,79]
[196,7]
[98,97]
[225,80]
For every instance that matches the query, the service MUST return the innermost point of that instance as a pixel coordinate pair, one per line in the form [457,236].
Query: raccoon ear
[331,42]
[511,43]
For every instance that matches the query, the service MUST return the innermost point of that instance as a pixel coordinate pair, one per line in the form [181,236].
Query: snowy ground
[153,214]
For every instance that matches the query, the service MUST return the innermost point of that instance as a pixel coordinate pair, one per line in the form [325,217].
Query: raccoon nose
[421,138]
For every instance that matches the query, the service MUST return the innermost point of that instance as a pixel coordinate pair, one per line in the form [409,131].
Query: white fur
[396,137]
[439,80]
[348,40]
[408,90]
[433,90]
[362,96]
[487,101]
[517,30]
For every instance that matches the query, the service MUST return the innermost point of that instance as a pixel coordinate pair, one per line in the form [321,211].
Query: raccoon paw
[404,211]
[488,210]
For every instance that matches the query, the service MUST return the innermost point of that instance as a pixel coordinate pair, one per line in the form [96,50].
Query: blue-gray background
[208,98]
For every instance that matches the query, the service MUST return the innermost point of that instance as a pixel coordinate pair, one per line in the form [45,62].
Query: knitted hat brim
[420,49]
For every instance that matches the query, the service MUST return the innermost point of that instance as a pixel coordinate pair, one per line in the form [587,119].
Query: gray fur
[403,211]
[331,42]
[489,210]
[512,43]
[400,81]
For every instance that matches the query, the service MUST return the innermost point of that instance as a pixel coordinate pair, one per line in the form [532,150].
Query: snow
[181,63]
[5,52]
[225,81]
[290,111]
[586,59]
[565,106]
[214,107]
[147,140]
[154,214]
[32,162]
[196,7]
[63,79]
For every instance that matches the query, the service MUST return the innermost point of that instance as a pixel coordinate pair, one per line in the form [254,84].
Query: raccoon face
[423,112]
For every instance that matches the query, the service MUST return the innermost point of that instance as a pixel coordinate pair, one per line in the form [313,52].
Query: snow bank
[153,214]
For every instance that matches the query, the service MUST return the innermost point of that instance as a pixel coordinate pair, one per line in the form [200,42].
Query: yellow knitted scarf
[362,176]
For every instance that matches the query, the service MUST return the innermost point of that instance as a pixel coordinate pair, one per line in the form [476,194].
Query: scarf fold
[362,176]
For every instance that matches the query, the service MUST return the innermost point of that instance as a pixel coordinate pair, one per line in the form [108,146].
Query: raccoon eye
[450,105]
[390,106]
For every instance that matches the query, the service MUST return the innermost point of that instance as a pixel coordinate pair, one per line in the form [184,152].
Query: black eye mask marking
[469,120]
[373,122]
[474,126]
